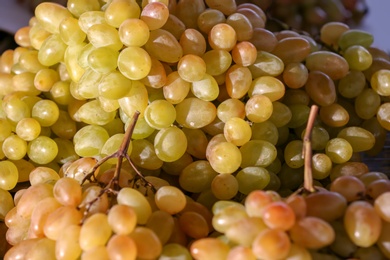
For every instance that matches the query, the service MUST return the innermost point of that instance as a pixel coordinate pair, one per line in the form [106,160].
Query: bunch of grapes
[160,129]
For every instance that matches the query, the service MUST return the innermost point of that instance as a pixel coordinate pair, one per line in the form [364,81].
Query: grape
[333,209]
[155,15]
[217,61]
[209,248]
[170,144]
[67,245]
[354,37]
[271,244]
[195,113]
[339,150]
[225,158]
[67,191]
[147,243]
[334,65]
[136,200]
[163,46]
[192,42]
[121,247]
[358,57]
[362,224]
[7,204]
[208,18]
[266,64]
[252,178]
[129,61]
[172,250]
[14,147]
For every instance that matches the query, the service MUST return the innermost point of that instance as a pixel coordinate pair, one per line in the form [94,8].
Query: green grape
[359,138]
[50,15]
[103,35]
[163,46]
[293,154]
[52,50]
[92,113]
[155,15]
[170,144]
[383,115]
[267,86]
[258,108]
[339,150]
[195,113]
[174,250]
[79,7]
[5,129]
[237,131]
[257,153]
[160,114]
[208,18]
[129,10]
[14,147]
[135,100]
[217,61]
[15,109]
[141,130]
[24,82]
[42,150]
[295,75]
[321,166]
[197,176]
[281,114]
[133,32]
[332,64]
[8,175]
[144,155]
[7,205]
[28,129]
[89,18]
[70,31]
[334,115]
[355,37]
[290,178]
[362,223]
[196,142]
[28,60]
[6,84]
[380,82]
[75,60]
[266,64]
[130,60]
[147,243]
[206,88]
[252,178]
[46,112]
[358,57]
[225,157]
[112,145]
[64,127]
[300,114]
[231,108]
[89,140]
[45,78]
[296,97]
[103,59]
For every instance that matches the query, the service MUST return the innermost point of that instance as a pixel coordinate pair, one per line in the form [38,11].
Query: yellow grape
[197,176]
[8,203]
[155,15]
[170,199]
[209,248]
[147,243]
[59,219]
[120,10]
[192,42]
[238,80]
[94,232]
[130,60]
[170,143]
[362,223]
[67,245]
[121,247]
[50,15]
[258,108]
[271,244]
[162,224]
[136,200]
[163,46]
[67,191]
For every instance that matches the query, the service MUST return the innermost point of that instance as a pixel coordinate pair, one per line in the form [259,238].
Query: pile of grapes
[189,130]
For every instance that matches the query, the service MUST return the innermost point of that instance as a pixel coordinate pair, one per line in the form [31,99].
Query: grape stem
[307,151]
[113,185]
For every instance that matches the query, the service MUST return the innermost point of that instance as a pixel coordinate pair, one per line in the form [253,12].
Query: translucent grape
[197,176]
[130,60]
[170,144]
[258,108]
[163,46]
[271,244]
[14,147]
[355,37]
[225,157]
[136,200]
[8,175]
[334,65]
[155,15]
[358,57]
[50,15]
[42,150]
[209,249]
[252,178]
[195,113]
[339,150]
[147,243]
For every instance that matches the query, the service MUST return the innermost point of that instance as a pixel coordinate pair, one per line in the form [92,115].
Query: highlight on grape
[193,129]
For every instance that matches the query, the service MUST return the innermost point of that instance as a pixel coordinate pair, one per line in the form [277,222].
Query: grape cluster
[160,129]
